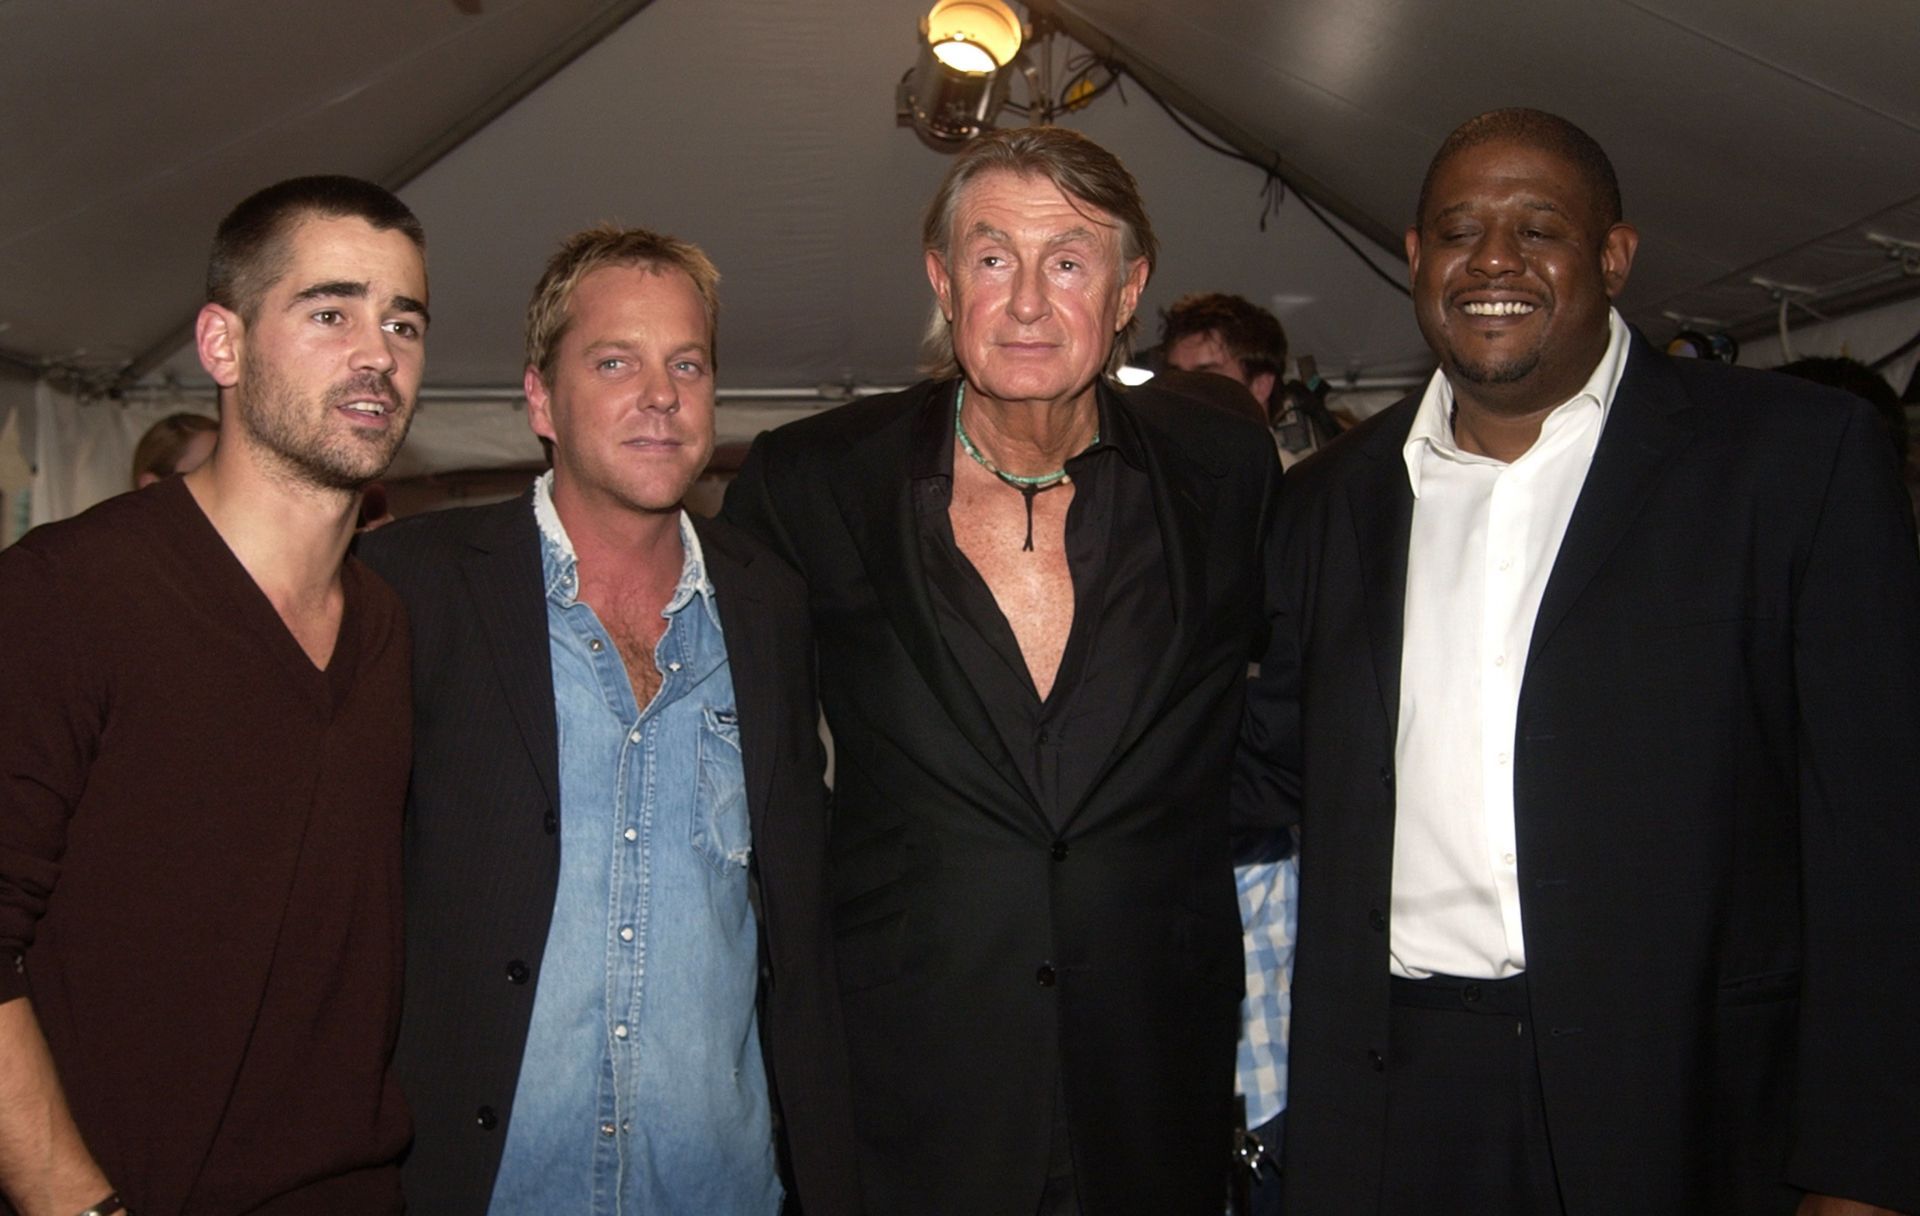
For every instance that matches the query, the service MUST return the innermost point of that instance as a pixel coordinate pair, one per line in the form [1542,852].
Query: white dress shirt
[1483,541]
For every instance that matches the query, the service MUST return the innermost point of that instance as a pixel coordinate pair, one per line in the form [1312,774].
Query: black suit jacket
[482,843]
[1716,764]
[987,958]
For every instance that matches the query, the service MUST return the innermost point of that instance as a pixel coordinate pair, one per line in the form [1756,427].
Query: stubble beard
[1505,371]
[290,427]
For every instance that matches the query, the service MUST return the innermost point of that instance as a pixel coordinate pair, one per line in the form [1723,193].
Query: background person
[178,443]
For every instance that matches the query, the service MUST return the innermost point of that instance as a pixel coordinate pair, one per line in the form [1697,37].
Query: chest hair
[636,626]
[1033,589]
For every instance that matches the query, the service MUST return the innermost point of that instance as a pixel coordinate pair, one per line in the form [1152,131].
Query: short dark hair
[1250,333]
[250,246]
[1535,129]
[1082,170]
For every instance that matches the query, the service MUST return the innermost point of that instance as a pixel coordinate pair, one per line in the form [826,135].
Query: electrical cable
[1273,175]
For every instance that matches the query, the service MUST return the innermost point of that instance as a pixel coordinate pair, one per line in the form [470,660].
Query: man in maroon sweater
[204,744]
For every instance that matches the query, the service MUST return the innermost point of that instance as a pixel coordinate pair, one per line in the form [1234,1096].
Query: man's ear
[539,403]
[1130,289]
[219,335]
[942,283]
[1413,254]
[1616,257]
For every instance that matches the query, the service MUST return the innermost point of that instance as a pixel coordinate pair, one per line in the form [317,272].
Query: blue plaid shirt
[1269,912]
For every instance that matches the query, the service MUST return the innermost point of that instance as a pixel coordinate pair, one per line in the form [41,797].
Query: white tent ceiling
[1752,138]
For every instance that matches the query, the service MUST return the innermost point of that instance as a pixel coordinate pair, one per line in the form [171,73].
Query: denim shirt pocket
[721,831]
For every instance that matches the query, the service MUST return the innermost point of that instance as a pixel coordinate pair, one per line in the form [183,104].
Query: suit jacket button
[1377,919]
[487,1119]
[1046,975]
[1059,850]
[517,972]
[551,823]
[1378,1061]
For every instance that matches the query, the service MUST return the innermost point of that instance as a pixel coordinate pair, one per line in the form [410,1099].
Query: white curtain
[83,450]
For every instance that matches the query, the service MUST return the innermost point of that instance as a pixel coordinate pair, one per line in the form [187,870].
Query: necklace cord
[1028,486]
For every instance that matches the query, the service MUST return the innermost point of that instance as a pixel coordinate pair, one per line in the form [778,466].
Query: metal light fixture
[951,94]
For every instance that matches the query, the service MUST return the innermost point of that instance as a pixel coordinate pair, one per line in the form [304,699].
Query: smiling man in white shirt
[1600,672]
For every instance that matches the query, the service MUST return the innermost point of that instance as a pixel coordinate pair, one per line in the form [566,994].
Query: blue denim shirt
[642,1088]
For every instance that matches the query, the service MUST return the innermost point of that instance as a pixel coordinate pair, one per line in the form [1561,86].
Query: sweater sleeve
[51,718]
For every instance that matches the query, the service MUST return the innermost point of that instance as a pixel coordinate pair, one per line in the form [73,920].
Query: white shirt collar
[1433,420]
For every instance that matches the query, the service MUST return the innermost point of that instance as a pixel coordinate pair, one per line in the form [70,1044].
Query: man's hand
[1828,1205]
[45,1168]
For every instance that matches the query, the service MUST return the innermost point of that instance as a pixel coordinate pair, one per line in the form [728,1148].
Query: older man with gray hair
[1034,599]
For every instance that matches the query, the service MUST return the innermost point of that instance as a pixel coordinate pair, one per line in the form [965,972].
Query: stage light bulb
[965,57]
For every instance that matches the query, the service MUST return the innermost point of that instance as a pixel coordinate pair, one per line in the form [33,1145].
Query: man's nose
[1497,252]
[659,391]
[373,350]
[1029,300]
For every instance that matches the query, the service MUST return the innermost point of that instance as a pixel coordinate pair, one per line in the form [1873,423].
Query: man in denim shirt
[588,1026]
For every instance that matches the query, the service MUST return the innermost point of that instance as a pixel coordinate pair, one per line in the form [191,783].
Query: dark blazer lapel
[1380,501]
[736,594]
[503,576]
[1641,434]
[874,494]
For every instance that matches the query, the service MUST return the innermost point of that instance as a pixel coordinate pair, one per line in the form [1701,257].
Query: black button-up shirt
[1123,611]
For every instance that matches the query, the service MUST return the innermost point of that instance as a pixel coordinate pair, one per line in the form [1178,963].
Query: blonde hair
[548,313]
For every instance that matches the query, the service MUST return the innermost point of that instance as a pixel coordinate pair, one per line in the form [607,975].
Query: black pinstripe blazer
[482,843]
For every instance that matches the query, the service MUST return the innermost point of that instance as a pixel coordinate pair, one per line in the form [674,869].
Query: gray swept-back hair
[1085,172]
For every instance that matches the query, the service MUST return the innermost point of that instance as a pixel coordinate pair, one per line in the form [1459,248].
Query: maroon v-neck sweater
[200,862]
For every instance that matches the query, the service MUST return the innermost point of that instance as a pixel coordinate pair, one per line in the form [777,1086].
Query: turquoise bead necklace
[1028,486]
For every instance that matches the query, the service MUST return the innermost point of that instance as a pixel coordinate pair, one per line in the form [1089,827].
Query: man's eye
[1068,264]
[329,316]
[405,329]
[689,367]
[611,364]
[992,260]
